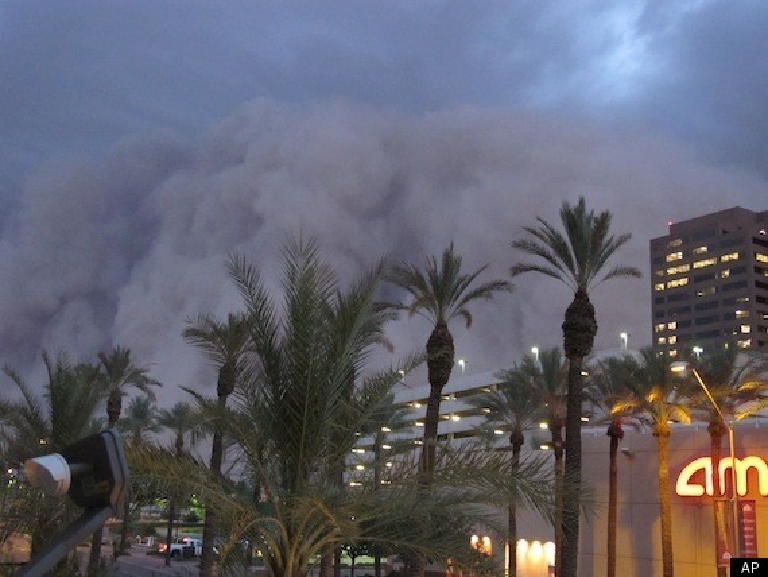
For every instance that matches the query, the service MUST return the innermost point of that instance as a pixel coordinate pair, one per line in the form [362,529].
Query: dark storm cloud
[141,142]
[124,250]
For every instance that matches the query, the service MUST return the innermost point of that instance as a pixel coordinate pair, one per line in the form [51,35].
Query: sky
[143,142]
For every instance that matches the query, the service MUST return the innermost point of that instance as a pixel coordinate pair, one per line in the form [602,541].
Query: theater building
[639,531]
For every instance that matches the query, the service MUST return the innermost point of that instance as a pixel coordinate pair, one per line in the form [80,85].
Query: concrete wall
[639,533]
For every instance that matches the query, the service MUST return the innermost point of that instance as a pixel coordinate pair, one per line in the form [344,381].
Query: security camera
[94,473]
[52,474]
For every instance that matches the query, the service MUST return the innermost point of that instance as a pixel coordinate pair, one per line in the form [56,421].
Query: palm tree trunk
[440,357]
[615,433]
[556,430]
[716,432]
[209,525]
[665,505]
[517,441]
[579,330]
[377,450]
[169,529]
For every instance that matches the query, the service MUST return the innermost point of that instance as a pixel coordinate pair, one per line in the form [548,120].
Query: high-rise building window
[705,262]
[678,269]
[746,329]
[742,314]
[677,282]
[659,286]
[700,250]
[673,256]
[729,257]
[760,257]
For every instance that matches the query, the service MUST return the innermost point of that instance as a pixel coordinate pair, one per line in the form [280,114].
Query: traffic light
[94,473]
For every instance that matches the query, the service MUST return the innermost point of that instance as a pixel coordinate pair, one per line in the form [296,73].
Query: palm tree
[183,420]
[606,385]
[733,378]
[577,258]
[225,343]
[39,425]
[140,418]
[657,398]
[118,374]
[285,421]
[440,293]
[547,376]
[387,419]
[514,404]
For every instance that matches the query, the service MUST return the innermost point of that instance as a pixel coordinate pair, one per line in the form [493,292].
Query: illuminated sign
[687,488]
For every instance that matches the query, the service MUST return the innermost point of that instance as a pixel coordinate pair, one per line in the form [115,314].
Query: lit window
[742,300]
[659,286]
[700,250]
[725,273]
[745,344]
[678,269]
[706,291]
[673,256]
[659,327]
[674,242]
[742,314]
[677,282]
[705,262]
[672,340]
[662,340]
[360,467]
[672,326]
[673,353]
[760,257]
[746,329]
[730,256]
[659,272]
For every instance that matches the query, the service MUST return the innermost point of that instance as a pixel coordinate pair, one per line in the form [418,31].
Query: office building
[709,280]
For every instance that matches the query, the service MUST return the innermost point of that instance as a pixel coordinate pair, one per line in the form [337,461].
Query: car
[178,547]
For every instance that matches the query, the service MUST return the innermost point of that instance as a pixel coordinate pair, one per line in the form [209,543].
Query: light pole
[684,367]
[535,353]
[624,340]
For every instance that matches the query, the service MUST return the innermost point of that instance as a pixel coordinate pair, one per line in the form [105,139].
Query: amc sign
[685,487]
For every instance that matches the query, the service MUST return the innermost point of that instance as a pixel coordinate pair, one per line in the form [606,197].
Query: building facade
[639,534]
[709,280]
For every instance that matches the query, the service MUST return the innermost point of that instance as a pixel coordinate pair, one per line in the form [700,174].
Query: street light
[624,340]
[535,353]
[463,364]
[683,367]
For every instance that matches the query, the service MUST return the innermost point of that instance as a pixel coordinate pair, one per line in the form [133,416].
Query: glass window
[673,256]
[730,256]
[677,282]
[704,262]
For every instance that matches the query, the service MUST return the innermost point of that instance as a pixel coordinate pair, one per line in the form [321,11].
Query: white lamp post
[624,340]
[683,367]
[463,364]
[535,353]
